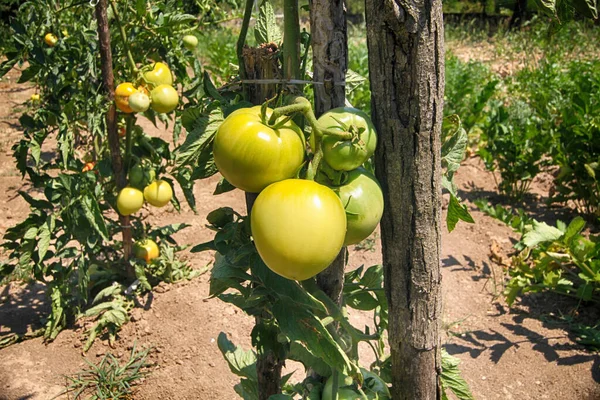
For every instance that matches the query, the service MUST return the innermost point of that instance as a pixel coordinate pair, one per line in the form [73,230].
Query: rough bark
[406,68]
[330,63]
[111,123]
[262,63]
[329,41]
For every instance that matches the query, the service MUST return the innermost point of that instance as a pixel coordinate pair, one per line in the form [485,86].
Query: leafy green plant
[578,152]
[514,144]
[109,379]
[558,259]
[469,88]
[69,241]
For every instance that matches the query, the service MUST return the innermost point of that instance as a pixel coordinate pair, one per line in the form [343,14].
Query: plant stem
[242,38]
[291,39]
[111,123]
[134,69]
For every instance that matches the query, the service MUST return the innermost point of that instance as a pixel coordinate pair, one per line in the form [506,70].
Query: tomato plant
[158,193]
[251,155]
[298,227]
[346,155]
[76,223]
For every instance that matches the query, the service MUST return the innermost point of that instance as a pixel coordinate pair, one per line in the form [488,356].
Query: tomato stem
[134,68]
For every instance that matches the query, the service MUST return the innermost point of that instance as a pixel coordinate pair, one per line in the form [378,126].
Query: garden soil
[505,353]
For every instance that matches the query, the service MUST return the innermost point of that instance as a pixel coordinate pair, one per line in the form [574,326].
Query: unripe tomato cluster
[299,226]
[155,91]
[131,199]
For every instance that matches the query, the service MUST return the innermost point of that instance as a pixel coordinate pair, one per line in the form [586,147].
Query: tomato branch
[242,38]
[134,69]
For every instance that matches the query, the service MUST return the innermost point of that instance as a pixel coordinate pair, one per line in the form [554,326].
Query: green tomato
[159,75]
[298,227]
[251,155]
[343,393]
[129,200]
[139,102]
[362,198]
[158,193]
[190,42]
[346,155]
[164,98]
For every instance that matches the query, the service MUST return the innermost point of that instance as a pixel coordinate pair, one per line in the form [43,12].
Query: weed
[108,379]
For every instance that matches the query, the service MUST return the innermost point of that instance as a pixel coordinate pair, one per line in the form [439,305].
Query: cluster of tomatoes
[299,225]
[155,91]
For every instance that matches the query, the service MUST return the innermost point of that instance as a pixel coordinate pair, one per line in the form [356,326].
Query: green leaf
[266,29]
[451,378]
[299,353]
[225,275]
[299,324]
[456,212]
[454,144]
[220,217]
[94,215]
[241,363]
[223,187]
[201,127]
[574,228]
[361,300]
[540,233]
[44,236]
[353,81]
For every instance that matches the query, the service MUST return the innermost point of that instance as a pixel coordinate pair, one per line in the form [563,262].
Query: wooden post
[406,68]
[111,123]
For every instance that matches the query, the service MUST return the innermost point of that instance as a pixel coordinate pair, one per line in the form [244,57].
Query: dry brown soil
[506,354]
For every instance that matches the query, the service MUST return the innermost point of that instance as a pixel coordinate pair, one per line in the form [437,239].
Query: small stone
[179,362]
[211,364]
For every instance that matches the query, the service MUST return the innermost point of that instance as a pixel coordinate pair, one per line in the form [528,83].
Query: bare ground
[506,354]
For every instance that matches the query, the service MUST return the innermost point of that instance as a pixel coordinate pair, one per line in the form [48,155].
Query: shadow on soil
[21,308]
[496,343]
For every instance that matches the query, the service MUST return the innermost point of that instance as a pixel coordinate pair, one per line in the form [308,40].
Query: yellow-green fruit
[146,249]
[129,200]
[158,193]
[164,98]
[190,42]
[159,75]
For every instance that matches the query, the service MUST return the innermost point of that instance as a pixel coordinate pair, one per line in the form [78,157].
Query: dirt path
[506,354]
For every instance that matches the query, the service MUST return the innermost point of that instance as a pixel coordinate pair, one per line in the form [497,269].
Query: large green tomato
[363,200]
[298,227]
[346,155]
[164,98]
[129,200]
[251,155]
[159,75]
[158,193]
[343,393]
